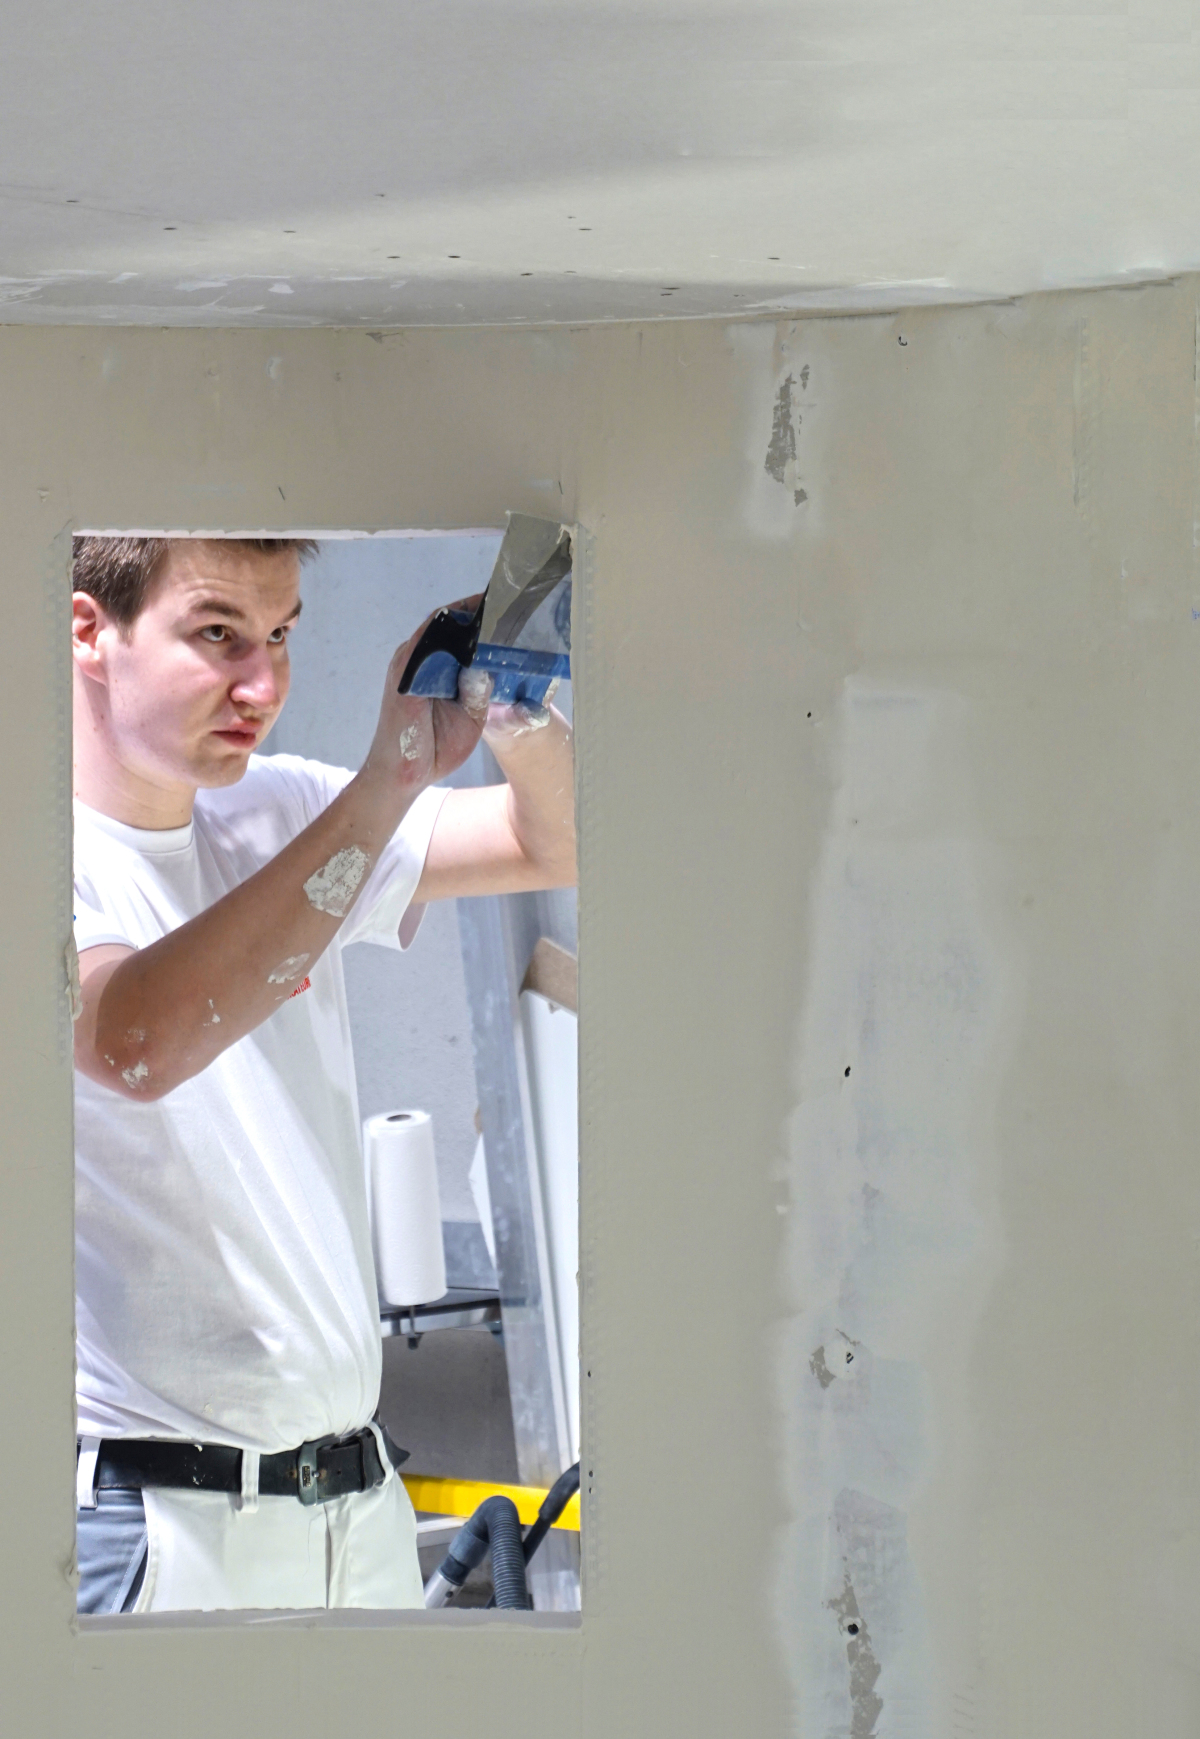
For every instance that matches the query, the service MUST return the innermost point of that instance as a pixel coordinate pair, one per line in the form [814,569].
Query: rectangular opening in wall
[326,1072]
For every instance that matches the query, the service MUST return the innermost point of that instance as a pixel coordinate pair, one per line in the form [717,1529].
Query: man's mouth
[240,736]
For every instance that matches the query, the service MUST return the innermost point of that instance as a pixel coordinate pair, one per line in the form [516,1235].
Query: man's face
[197,682]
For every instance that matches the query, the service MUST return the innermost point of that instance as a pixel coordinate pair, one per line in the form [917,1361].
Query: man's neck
[125,795]
[104,780]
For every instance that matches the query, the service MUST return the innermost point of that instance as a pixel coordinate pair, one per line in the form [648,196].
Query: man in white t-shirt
[227,1318]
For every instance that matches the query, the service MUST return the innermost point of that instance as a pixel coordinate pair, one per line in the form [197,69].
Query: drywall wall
[888,703]
[531,160]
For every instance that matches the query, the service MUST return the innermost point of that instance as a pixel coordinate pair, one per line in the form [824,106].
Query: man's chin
[221,770]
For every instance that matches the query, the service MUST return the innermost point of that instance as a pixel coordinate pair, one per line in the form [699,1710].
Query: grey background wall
[409,1014]
[887,704]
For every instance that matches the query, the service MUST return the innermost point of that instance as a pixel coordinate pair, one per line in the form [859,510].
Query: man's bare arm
[155,1016]
[516,837]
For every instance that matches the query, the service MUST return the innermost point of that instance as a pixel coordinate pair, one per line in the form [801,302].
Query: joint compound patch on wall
[866,1705]
[782,462]
[891,1241]
[782,437]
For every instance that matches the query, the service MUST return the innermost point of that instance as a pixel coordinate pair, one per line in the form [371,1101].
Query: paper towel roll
[406,1209]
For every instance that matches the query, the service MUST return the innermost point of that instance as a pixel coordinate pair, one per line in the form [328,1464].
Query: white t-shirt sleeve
[94,928]
[384,911]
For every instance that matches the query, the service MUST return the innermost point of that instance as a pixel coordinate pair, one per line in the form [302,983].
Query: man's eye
[277,636]
[214,633]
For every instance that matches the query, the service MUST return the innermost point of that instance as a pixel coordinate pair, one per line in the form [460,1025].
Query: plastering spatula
[521,631]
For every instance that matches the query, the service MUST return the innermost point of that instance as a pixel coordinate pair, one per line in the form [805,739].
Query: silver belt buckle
[307,1488]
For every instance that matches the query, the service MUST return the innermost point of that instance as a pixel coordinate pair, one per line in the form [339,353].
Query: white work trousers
[208,1551]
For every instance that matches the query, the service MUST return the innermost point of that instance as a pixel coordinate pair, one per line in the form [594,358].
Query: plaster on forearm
[168,1010]
[289,970]
[332,888]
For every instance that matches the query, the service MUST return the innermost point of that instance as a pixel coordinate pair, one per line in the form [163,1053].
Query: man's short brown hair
[118,571]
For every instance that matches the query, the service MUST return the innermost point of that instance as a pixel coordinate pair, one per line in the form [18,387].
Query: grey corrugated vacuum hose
[553,1505]
[495,1526]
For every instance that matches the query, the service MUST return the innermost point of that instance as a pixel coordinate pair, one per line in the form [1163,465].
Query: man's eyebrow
[216,607]
[231,613]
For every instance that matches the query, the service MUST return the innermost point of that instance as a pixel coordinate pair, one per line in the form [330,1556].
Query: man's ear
[88,620]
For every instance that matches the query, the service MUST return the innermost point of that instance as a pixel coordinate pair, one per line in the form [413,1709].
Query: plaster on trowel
[520,632]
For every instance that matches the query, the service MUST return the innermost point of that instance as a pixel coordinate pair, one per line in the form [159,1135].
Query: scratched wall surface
[888,646]
[522,161]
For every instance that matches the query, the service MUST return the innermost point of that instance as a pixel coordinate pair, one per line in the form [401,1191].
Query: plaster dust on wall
[889,1231]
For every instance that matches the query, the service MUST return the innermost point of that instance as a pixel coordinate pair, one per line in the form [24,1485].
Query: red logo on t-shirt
[305,985]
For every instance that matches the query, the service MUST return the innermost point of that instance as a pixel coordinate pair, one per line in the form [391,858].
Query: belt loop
[85,1473]
[250,1461]
[385,1460]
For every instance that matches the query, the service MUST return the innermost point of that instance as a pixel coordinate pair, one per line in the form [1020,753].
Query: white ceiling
[365,162]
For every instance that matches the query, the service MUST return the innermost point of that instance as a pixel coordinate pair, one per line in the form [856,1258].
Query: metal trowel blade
[534,559]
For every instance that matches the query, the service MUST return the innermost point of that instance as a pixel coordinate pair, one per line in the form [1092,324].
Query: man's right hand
[417,741]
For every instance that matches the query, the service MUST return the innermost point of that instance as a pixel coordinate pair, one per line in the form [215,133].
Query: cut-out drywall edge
[345,1618]
[324,533]
[74,991]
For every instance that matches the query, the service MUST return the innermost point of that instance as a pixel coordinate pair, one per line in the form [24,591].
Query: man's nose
[258,683]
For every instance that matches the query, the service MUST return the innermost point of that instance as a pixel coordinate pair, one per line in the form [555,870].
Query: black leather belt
[328,1467]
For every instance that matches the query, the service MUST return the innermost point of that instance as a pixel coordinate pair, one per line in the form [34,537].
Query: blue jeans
[110,1545]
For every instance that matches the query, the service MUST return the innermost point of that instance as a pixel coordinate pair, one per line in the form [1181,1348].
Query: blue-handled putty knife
[521,631]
